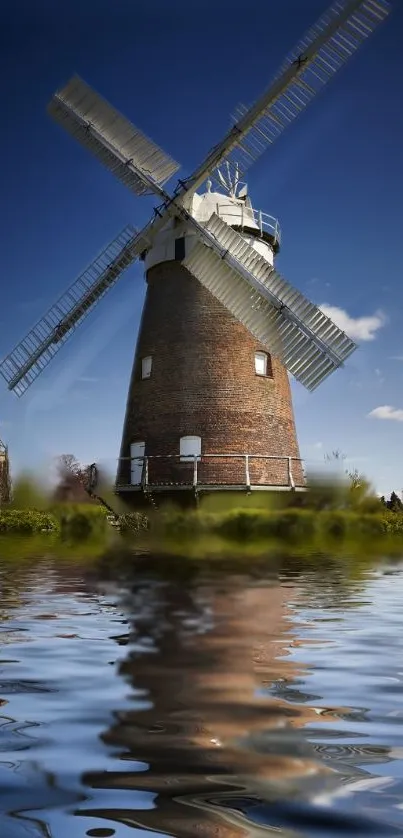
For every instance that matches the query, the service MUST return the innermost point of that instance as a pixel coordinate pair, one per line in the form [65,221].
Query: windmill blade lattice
[117,144]
[292,302]
[23,365]
[225,270]
[308,68]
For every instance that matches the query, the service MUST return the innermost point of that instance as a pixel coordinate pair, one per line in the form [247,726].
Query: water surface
[226,706]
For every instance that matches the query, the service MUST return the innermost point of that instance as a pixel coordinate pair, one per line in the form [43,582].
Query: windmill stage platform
[166,474]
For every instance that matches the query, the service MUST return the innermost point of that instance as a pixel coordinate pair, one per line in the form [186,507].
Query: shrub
[369,526]
[176,523]
[289,525]
[241,524]
[133,522]
[27,521]
[333,525]
[81,521]
[392,524]
[294,528]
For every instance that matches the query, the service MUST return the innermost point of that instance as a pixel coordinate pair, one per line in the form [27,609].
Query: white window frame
[146,366]
[137,453]
[259,357]
[189,448]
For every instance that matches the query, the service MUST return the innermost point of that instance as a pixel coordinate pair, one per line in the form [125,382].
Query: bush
[79,522]
[300,529]
[133,522]
[292,526]
[176,523]
[370,526]
[27,521]
[334,525]
[392,523]
[289,525]
[241,524]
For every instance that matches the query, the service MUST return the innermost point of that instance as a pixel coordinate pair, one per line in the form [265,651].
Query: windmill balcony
[210,472]
[245,219]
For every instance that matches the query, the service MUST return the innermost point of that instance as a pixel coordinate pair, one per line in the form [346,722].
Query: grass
[257,533]
[327,521]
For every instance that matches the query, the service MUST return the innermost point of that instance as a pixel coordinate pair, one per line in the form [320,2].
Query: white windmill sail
[312,63]
[291,300]
[115,141]
[307,342]
[27,360]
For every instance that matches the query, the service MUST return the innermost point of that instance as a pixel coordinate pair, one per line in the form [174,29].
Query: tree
[72,480]
[357,491]
[394,504]
[356,479]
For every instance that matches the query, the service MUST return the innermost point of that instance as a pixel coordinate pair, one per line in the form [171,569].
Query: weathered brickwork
[203,383]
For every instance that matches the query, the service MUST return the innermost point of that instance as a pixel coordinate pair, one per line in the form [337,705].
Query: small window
[180,249]
[189,448]
[262,364]
[146,364]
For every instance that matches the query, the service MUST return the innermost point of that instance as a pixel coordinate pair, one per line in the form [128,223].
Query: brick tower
[207,405]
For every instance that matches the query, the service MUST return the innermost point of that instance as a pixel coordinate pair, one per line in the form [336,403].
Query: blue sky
[334,179]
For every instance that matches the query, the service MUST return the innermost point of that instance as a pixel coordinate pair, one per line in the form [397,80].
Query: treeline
[394,504]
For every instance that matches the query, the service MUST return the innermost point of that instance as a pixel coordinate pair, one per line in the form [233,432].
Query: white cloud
[396,358]
[357,328]
[386,411]
[379,376]
[313,446]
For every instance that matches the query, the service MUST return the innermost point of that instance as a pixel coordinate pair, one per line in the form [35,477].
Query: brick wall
[203,382]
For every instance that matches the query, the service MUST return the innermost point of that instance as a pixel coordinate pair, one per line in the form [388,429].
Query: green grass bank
[332,520]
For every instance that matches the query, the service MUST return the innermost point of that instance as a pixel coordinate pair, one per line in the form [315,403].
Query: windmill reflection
[215,733]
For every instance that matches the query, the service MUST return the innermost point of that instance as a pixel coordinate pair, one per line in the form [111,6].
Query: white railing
[243,216]
[194,472]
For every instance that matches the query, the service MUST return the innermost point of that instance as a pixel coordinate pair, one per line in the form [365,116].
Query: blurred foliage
[394,504]
[301,531]
[341,516]
[133,522]
[73,480]
[28,493]
[79,522]
[27,521]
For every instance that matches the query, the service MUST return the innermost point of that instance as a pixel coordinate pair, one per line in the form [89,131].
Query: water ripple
[225,707]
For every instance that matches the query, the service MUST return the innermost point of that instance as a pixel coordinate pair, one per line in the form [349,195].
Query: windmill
[209,400]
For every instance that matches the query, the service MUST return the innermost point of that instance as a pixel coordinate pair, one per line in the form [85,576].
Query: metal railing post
[195,471]
[146,471]
[247,475]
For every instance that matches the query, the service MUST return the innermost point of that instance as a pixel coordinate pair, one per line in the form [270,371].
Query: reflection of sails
[213,735]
